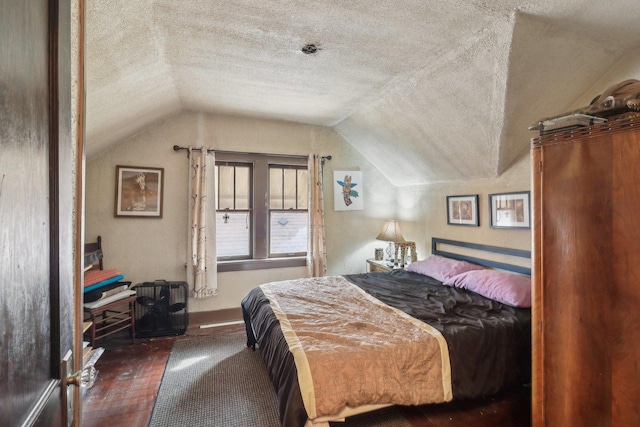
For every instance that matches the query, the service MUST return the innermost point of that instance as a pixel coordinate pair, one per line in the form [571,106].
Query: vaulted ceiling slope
[427,90]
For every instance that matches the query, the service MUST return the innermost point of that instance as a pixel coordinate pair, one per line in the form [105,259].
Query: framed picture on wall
[463,210]
[510,210]
[347,190]
[139,191]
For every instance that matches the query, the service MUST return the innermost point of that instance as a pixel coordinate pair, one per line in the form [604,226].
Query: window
[261,211]
[233,210]
[288,214]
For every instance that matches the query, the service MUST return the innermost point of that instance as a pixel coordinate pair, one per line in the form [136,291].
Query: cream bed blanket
[352,350]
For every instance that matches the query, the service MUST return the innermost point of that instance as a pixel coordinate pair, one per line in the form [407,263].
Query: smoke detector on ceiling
[310,49]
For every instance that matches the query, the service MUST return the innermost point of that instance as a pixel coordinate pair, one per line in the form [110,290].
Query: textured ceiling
[426,90]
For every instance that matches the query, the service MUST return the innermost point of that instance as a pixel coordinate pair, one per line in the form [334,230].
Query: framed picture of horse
[139,191]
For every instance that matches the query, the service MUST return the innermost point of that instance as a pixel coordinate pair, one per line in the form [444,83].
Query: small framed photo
[139,191]
[463,210]
[510,210]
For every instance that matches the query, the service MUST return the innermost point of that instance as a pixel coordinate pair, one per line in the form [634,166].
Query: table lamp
[391,233]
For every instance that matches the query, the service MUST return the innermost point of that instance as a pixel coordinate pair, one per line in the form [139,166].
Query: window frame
[283,209]
[260,210]
[249,210]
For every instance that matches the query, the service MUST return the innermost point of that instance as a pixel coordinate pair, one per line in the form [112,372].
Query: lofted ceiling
[426,90]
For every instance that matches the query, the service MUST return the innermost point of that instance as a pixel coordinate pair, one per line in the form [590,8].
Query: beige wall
[148,249]
[625,68]
[429,202]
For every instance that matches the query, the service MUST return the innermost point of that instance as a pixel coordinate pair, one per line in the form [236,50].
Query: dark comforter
[489,342]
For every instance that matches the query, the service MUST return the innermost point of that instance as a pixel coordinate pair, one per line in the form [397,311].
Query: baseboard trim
[217,325]
[210,319]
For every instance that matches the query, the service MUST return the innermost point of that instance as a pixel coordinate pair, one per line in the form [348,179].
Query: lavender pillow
[441,268]
[507,288]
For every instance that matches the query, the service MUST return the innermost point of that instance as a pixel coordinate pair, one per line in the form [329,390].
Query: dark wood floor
[129,376]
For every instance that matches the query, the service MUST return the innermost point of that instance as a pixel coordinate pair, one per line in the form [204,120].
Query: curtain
[317,251]
[201,267]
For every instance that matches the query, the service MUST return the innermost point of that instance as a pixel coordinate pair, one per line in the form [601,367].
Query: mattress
[488,343]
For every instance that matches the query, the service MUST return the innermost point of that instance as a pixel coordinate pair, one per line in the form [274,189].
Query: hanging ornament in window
[283,221]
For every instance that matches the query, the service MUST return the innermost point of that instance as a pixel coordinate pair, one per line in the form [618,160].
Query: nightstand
[383,266]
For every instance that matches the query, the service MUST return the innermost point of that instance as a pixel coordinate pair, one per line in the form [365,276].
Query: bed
[452,326]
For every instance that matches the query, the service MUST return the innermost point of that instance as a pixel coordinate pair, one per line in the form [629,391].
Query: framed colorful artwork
[347,190]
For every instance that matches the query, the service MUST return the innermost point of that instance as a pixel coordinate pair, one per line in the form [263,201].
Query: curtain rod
[178,148]
[211,150]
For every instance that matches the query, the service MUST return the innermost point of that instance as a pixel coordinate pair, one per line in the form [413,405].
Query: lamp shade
[391,232]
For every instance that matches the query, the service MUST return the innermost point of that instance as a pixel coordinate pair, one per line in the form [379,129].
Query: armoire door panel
[575,254]
[625,283]
[586,276]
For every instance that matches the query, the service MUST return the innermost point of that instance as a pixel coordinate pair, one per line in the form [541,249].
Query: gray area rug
[218,381]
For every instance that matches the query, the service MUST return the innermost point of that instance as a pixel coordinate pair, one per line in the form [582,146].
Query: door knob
[84,378]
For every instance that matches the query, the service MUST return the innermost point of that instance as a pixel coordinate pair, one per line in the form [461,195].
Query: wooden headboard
[436,243]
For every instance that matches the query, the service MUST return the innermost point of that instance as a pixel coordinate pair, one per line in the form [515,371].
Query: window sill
[261,264]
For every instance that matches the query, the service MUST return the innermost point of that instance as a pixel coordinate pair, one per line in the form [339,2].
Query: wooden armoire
[586,276]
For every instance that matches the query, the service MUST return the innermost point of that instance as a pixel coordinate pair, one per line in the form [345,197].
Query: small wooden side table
[110,318]
[383,266]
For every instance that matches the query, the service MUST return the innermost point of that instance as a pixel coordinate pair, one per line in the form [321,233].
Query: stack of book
[108,294]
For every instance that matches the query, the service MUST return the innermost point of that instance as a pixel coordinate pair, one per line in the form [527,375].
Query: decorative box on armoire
[586,275]
[161,308]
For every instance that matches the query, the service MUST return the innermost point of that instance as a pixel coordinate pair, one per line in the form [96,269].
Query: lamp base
[390,252]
